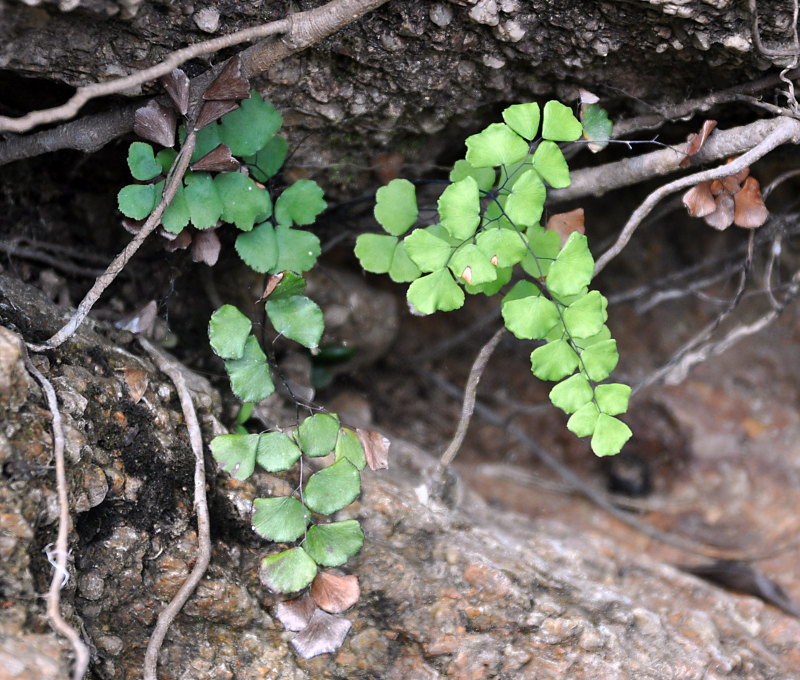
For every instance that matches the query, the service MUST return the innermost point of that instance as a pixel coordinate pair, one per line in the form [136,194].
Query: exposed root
[58,556]
[171,368]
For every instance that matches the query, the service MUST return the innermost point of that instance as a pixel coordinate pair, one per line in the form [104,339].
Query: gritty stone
[510,31]
[485,12]
[441,14]
[493,61]
[207,19]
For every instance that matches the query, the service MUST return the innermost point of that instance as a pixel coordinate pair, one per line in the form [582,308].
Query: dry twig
[171,368]
[784,130]
[596,181]
[468,405]
[58,557]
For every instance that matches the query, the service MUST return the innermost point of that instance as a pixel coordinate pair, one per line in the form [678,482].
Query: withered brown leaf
[229,84]
[749,209]
[177,86]
[376,448]
[325,633]
[333,593]
[219,159]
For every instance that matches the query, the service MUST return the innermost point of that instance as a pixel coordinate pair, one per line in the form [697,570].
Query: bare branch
[596,181]
[782,131]
[58,557]
[175,59]
[171,368]
[177,171]
[676,371]
[691,107]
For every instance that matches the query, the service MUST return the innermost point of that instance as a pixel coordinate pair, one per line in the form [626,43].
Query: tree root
[171,368]
[58,557]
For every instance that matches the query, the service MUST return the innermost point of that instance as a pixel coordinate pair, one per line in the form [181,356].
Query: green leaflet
[459,208]
[429,248]
[523,119]
[554,361]
[287,571]
[298,318]
[331,545]
[610,435]
[585,317]
[142,162]
[249,374]
[497,145]
[349,446]
[258,248]
[248,129]
[549,162]
[560,125]
[236,453]
[470,264]
[205,204]
[137,200]
[613,398]
[437,291]
[333,488]
[571,394]
[484,177]
[573,268]
[527,314]
[318,434]
[300,203]
[281,519]
[276,451]
[525,203]
[228,331]
[396,206]
[242,200]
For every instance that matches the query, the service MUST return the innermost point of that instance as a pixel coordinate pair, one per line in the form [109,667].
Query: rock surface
[462,592]
[409,78]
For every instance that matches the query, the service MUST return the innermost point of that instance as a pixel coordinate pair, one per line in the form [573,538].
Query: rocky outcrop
[447,592]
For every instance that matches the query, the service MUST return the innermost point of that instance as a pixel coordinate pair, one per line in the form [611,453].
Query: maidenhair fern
[489,229]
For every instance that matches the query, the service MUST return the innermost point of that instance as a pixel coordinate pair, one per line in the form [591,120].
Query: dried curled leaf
[567,223]
[296,614]
[749,209]
[722,217]
[213,110]
[699,200]
[177,86]
[206,247]
[376,448]
[324,634]
[696,141]
[230,83]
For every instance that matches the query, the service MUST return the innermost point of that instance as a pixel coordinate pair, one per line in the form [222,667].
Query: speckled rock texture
[463,592]
[411,77]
